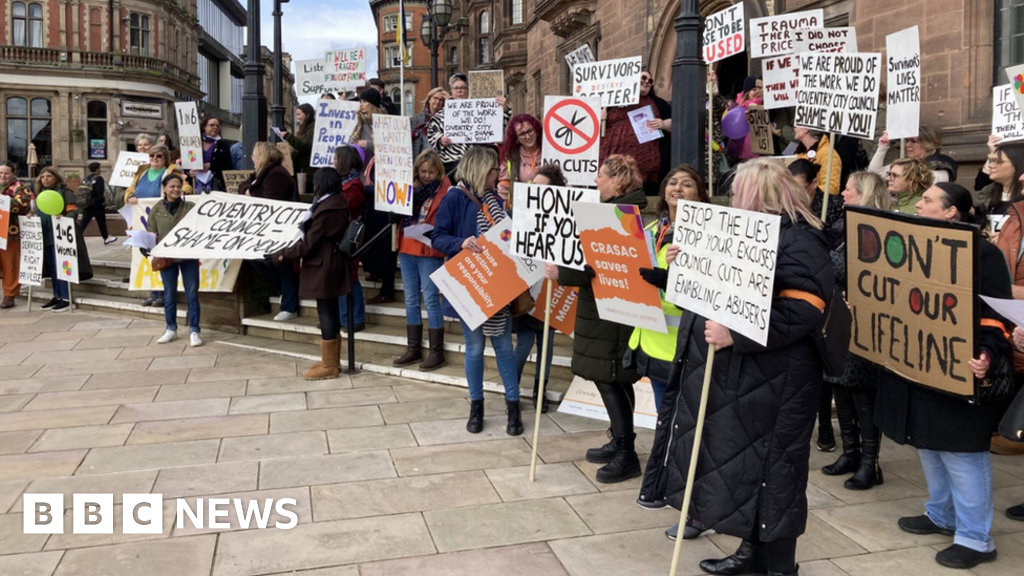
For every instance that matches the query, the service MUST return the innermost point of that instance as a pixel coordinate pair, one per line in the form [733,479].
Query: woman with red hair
[520,153]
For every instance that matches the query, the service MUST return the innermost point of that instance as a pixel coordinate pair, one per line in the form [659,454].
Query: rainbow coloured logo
[627,215]
[66,267]
[1018,83]
[191,156]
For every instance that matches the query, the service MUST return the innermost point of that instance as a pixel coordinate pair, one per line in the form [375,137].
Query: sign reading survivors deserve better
[911,290]
[838,93]
[230,226]
[725,270]
[614,82]
[335,122]
[478,121]
[543,225]
[392,143]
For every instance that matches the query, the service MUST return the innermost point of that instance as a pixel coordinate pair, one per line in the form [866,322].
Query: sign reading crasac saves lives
[543,225]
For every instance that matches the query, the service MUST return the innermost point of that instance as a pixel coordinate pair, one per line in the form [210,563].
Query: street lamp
[687,73]
[432,32]
[277,110]
[254,103]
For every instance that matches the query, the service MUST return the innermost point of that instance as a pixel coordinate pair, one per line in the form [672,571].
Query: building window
[485,42]
[28,122]
[393,56]
[27,24]
[391,23]
[485,23]
[453,58]
[1009,42]
[96,125]
[138,34]
[517,12]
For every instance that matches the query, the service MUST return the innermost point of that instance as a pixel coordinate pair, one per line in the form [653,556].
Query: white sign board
[346,68]
[474,121]
[838,93]
[127,165]
[572,137]
[903,83]
[581,55]
[30,273]
[583,399]
[1007,120]
[724,34]
[543,225]
[189,138]
[1016,76]
[725,270]
[232,226]
[773,35]
[392,145]
[781,81]
[614,82]
[842,39]
[312,78]
[335,121]
[66,248]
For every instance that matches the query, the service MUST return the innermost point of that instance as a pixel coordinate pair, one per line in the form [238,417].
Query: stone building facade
[417,72]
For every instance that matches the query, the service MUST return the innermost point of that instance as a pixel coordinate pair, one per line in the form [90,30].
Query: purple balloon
[734,123]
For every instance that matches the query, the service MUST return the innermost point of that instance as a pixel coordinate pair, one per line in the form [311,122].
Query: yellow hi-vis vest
[655,344]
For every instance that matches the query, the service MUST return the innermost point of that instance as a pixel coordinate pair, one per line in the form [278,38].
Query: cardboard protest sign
[1016,76]
[66,248]
[335,121]
[392,143]
[479,121]
[613,82]
[638,120]
[1007,120]
[583,399]
[189,139]
[563,306]
[230,226]
[725,270]
[30,273]
[215,274]
[616,247]
[232,179]
[761,141]
[773,35]
[724,34]
[313,79]
[5,220]
[486,83]
[544,227]
[127,165]
[345,69]
[572,137]
[841,39]
[581,55]
[478,286]
[903,83]
[781,81]
[838,93]
[911,290]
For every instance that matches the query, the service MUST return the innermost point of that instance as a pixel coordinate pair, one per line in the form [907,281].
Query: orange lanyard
[661,237]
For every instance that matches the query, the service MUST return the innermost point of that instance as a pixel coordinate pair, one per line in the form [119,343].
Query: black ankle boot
[515,420]
[869,473]
[476,416]
[625,464]
[604,454]
[849,431]
[748,559]
[543,400]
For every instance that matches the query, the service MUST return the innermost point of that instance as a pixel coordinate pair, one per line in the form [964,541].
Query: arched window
[517,12]
[28,122]
[485,23]
[96,124]
[485,41]
[453,58]
[27,24]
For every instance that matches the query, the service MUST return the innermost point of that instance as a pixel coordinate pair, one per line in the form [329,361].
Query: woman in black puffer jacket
[751,478]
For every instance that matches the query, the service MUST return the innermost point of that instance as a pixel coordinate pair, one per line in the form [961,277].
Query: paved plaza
[386,479]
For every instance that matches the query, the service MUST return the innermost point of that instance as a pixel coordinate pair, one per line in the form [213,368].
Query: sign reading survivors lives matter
[230,226]
[543,225]
[1007,120]
[838,93]
[911,290]
[392,144]
[725,270]
[724,34]
[31,271]
[335,121]
[903,83]
[773,35]
[614,82]
[477,121]
[572,137]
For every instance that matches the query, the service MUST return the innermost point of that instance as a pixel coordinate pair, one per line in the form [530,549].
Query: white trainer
[284,316]
[195,340]
[169,336]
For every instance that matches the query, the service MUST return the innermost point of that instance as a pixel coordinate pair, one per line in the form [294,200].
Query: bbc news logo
[144,513]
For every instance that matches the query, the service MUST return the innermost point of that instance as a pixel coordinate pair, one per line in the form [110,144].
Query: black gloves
[144,252]
[656,277]
[589,272]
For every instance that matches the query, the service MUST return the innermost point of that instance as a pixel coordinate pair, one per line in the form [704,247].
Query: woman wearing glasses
[1004,167]
[520,153]
[907,179]
[926,147]
[451,152]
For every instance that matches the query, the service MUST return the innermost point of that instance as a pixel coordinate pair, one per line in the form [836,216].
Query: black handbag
[1011,426]
[998,383]
[353,237]
[833,340]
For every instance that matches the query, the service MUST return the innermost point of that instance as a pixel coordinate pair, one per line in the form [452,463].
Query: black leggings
[101,220]
[330,318]
[779,555]
[619,400]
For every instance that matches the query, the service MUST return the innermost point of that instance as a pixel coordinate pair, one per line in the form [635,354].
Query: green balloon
[50,202]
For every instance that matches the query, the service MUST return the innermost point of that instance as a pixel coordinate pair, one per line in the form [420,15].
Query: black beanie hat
[749,83]
[371,96]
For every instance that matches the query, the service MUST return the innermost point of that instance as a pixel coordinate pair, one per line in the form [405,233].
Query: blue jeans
[416,271]
[60,287]
[475,361]
[190,278]
[524,345]
[359,305]
[960,495]
[659,393]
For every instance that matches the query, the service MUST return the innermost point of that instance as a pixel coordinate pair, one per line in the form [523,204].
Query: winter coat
[415,247]
[161,221]
[858,373]
[599,346]
[930,420]
[419,124]
[302,149]
[822,150]
[21,205]
[751,478]
[325,269]
[220,161]
[455,221]
[273,183]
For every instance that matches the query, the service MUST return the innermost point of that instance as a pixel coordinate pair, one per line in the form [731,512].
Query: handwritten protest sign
[841,39]
[725,270]
[1016,76]
[335,121]
[563,306]
[761,141]
[781,81]
[478,286]
[912,286]
[724,34]
[30,273]
[346,68]
[581,55]
[544,227]
[313,79]
[392,142]
[1007,120]
[572,137]
[479,121]
[189,138]
[773,35]
[616,247]
[66,248]
[127,165]
[486,83]
[638,119]
[233,178]
[582,399]
[903,83]
[5,220]
[231,226]
[613,82]
[838,93]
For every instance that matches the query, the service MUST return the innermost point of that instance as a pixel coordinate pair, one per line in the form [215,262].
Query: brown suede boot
[1004,447]
[330,359]
[436,358]
[414,352]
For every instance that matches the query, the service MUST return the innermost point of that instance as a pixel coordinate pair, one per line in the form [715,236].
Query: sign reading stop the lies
[572,137]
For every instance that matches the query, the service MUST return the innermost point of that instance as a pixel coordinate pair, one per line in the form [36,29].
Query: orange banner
[563,306]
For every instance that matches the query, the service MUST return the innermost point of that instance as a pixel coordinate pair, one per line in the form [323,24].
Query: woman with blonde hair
[431,105]
[362,135]
[907,180]
[752,481]
[926,146]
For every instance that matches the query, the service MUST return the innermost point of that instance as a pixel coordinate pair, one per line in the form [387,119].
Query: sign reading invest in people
[911,290]
[335,121]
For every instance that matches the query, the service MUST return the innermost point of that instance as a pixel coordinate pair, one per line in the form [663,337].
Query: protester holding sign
[362,135]
[751,479]
[50,179]
[10,258]
[520,153]
[302,141]
[926,146]
[752,94]
[431,105]
[620,138]
[450,151]
[663,122]
[907,179]
[1005,166]
[815,146]
[469,210]
[146,183]
[216,158]
[952,436]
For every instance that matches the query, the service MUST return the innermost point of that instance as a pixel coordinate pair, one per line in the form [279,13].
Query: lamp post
[277,110]
[432,32]
[687,79]
[254,102]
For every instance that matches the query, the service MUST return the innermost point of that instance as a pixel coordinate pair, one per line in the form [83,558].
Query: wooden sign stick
[538,400]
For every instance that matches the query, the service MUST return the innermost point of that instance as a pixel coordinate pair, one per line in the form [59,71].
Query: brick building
[417,72]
